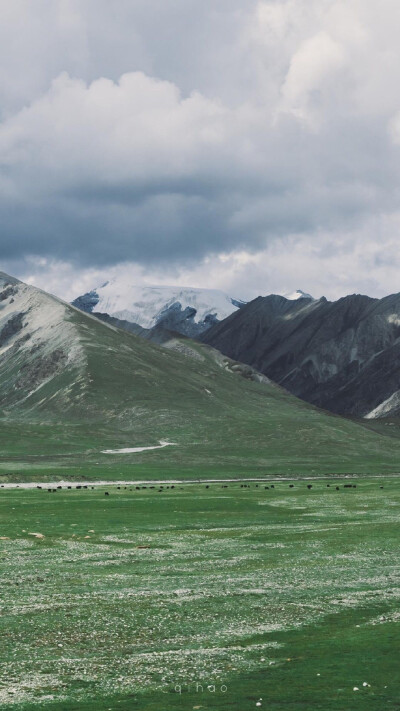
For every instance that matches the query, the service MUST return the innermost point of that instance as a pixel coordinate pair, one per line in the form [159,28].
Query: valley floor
[202,596]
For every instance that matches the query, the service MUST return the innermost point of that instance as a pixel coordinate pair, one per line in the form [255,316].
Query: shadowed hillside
[343,356]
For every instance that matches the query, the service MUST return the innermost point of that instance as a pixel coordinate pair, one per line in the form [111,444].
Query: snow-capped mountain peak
[186,309]
[298,294]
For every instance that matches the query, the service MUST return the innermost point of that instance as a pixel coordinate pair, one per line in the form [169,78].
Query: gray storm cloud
[169,132]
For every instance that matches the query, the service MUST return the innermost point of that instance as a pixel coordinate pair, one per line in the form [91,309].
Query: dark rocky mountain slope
[343,356]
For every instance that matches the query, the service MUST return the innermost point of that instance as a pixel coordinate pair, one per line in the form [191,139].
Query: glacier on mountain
[149,306]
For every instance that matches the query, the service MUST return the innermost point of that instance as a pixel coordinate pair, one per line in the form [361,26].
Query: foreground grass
[284,597]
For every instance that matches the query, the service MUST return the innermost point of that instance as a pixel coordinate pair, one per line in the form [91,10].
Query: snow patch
[394,318]
[129,450]
[298,294]
[392,404]
[144,305]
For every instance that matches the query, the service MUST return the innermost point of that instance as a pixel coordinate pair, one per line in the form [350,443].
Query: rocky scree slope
[41,354]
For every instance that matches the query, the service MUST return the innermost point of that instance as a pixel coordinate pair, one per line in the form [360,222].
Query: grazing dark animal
[337,488]
[78,487]
[59,487]
[309,486]
[381,487]
[49,490]
[69,487]
[266,487]
[328,485]
[354,486]
[272,486]
[207,487]
[85,487]
[291,486]
[106,493]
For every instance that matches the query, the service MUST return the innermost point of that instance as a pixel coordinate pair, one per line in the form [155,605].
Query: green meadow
[227,597]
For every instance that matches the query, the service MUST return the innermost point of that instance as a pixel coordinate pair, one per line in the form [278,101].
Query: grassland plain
[226,597]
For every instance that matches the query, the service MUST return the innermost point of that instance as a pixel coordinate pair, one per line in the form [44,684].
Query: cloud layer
[174,135]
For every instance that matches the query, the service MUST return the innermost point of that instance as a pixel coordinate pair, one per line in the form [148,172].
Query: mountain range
[184,310]
[342,356]
[72,386]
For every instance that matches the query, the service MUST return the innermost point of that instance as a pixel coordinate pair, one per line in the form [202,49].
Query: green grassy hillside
[71,386]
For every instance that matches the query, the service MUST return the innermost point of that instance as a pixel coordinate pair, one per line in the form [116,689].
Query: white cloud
[311,71]
[168,134]
[365,260]
[110,130]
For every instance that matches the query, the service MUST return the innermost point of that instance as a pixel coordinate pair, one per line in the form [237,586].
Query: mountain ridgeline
[80,385]
[343,356]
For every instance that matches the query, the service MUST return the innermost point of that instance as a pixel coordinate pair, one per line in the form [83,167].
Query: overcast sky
[234,144]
